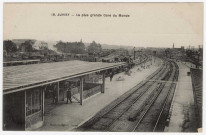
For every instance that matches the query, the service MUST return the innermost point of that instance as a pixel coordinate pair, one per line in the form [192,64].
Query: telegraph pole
[134,52]
[198,59]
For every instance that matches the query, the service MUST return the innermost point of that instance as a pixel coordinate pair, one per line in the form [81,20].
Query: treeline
[70,47]
[94,48]
[27,46]
[9,46]
[78,47]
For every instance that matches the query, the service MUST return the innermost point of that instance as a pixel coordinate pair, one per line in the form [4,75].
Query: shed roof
[23,77]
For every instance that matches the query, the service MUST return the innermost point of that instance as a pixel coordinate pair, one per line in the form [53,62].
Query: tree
[189,53]
[9,46]
[94,48]
[167,52]
[60,46]
[70,47]
[27,46]
[78,47]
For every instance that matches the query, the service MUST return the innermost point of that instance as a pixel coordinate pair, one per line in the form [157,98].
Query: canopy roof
[16,78]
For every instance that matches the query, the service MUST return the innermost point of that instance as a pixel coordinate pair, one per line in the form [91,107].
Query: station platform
[65,117]
[182,117]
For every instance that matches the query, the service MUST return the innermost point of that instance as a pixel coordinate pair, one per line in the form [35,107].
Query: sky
[148,24]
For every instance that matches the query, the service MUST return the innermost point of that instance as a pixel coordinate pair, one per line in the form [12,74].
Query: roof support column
[43,98]
[63,91]
[25,109]
[103,83]
[81,89]
[57,89]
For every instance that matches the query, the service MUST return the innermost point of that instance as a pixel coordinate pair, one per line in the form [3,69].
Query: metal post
[63,90]
[57,100]
[25,109]
[43,97]
[198,60]
[103,84]
[151,60]
[81,90]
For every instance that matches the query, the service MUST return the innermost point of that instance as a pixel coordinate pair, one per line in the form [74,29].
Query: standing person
[69,94]
[111,76]
[53,97]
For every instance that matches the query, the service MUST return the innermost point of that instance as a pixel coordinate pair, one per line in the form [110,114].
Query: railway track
[134,110]
[154,118]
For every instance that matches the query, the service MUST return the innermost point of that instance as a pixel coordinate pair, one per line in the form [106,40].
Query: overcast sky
[149,24]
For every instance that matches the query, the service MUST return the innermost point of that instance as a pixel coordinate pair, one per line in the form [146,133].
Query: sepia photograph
[103,67]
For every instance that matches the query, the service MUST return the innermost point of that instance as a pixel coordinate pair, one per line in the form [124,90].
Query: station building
[26,87]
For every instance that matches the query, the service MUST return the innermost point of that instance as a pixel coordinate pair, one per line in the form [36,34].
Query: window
[33,101]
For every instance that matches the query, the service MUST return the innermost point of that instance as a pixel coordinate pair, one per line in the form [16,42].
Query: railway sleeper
[161,72]
[134,115]
[166,114]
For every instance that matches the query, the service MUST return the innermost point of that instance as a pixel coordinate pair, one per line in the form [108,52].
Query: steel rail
[148,87]
[166,99]
[129,107]
[157,74]
[163,83]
